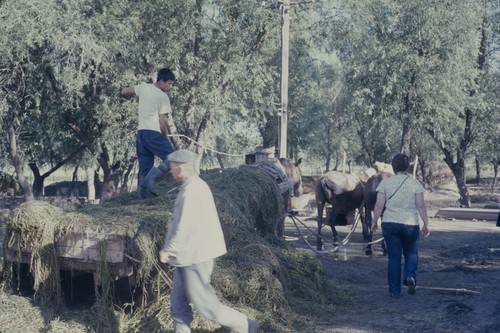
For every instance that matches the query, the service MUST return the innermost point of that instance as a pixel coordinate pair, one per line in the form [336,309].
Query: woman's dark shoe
[410,283]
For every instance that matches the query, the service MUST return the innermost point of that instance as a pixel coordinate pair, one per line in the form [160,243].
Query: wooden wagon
[81,252]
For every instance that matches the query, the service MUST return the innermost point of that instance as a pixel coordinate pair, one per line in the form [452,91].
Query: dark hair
[400,162]
[165,74]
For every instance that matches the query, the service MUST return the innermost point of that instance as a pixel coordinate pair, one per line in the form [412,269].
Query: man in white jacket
[194,239]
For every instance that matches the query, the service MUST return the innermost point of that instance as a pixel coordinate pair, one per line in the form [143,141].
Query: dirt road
[458,280]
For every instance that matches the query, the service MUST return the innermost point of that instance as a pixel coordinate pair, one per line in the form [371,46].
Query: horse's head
[293,173]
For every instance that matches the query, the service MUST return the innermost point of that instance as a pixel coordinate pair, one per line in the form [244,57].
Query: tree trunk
[496,162]
[74,178]
[406,137]
[425,177]
[18,163]
[38,180]
[12,119]
[268,131]
[90,185]
[458,167]
[407,117]
[189,118]
[336,166]
[328,159]
[202,127]
[125,184]
[458,170]
[367,159]
[110,181]
[112,174]
[220,160]
[478,172]
[110,184]
[97,184]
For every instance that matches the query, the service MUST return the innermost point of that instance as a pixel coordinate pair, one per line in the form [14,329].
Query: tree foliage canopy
[366,79]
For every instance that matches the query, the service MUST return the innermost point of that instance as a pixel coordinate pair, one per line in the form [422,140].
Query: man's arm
[128,92]
[164,124]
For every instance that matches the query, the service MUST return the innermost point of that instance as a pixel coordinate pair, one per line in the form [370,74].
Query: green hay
[260,275]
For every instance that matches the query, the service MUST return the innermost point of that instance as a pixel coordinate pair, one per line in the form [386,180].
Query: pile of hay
[260,275]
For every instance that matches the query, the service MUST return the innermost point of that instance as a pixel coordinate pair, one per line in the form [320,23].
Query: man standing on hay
[194,239]
[154,108]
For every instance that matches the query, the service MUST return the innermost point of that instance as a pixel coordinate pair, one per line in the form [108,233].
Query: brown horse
[344,192]
[370,196]
[292,170]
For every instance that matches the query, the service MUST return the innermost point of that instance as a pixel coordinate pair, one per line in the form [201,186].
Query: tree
[84,52]
[220,59]
[19,95]
[60,64]
[416,61]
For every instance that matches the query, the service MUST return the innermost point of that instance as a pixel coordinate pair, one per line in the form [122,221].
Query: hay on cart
[260,275]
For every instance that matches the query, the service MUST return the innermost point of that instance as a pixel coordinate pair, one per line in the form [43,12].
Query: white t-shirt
[194,233]
[401,207]
[152,103]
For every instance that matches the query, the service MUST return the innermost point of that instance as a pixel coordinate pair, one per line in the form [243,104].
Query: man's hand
[164,256]
[128,92]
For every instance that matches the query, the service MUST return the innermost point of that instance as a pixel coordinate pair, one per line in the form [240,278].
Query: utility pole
[284,7]
[283,113]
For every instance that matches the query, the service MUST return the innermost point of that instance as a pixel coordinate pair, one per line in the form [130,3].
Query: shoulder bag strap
[397,189]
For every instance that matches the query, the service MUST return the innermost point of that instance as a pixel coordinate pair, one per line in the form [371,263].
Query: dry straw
[260,275]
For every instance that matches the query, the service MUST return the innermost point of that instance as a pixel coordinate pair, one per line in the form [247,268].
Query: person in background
[194,239]
[401,200]
[154,107]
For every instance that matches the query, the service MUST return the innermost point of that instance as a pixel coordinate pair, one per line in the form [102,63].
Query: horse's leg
[280,228]
[331,223]
[367,229]
[319,242]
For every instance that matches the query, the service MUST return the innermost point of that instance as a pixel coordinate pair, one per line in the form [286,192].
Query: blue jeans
[148,145]
[401,239]
[192,285]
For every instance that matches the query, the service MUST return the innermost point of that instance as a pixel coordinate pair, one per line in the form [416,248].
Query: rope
[199,144]
[300,232]
[336,246]
[295,219]
[375,241]
[355,224]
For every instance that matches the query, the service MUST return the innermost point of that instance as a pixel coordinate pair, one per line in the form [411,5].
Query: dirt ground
[458,287]
[458,279]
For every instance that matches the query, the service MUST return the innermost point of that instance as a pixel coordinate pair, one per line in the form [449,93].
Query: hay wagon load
[120,238]
[40,234]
